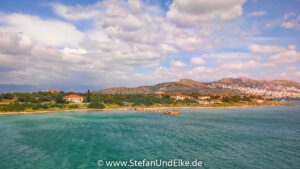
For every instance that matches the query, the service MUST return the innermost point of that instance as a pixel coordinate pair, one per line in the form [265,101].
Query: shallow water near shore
[253,137]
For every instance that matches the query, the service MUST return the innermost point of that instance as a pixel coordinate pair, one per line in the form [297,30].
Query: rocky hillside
[274,88]
[246,82]
[182,86]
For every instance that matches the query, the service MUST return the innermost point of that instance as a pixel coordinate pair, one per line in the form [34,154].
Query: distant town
[270,92]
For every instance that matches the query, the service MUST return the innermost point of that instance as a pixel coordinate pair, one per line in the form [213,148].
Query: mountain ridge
[224,86]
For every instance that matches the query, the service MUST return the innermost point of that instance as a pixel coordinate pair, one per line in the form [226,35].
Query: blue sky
[134,42]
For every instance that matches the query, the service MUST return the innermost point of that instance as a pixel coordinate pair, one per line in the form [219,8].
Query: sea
[265,137]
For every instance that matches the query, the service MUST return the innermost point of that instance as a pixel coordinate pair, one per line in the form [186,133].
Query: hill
[182,86]
[232,86]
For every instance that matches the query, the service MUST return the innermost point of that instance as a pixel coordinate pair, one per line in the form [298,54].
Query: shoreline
[131,109]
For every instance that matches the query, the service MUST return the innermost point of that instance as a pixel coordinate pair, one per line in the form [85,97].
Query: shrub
[58,105]
[96,105]
[40,106]
[135,104]
[73,106]
[12,107]
[8,96]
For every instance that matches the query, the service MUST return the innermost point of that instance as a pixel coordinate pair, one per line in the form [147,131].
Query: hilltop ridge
[272,88]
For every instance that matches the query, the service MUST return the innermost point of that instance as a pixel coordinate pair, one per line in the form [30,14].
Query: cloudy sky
[129,43]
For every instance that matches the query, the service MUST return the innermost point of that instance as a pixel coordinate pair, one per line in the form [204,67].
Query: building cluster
[207,99]
[180,97]
[209,102]
[201,99]
[267,91]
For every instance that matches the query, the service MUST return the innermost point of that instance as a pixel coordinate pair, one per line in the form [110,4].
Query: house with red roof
[216,102]
[73,98]
[180,97]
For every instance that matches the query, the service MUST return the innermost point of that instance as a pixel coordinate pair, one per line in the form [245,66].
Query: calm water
[263,137]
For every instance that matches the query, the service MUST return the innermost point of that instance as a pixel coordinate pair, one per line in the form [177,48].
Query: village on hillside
[270,92]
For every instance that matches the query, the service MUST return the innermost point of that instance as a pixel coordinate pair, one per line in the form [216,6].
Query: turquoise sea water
[256,137]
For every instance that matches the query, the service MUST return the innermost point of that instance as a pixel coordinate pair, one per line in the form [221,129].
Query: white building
[203,97]
[180,97]
[203,102]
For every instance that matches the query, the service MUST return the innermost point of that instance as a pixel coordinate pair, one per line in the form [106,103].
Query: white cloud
[243,65]
[229,55]
[292,47]
[289,56]
[67,50]
[128,22]
[256,13]
[123,34]
[41,51]
[290,68]
[76,13]
[191,12]
[175,63]
[31,62]
[196,61]
[199,69]
[136,6]
[15,43]
[189,43]
[49,32]
[291,21]
[265,48]
[278,74]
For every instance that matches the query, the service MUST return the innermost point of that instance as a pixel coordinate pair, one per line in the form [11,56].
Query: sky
[129,43]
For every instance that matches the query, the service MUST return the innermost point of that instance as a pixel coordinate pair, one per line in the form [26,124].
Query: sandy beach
[132,109]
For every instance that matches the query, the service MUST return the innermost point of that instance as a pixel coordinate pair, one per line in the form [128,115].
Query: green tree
[8,96]
[59,99]
[88,97]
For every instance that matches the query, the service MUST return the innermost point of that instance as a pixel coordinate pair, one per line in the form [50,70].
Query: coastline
[131,109]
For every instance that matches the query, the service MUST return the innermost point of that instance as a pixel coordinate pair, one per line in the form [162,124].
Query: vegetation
[40,101]
[40,107]
[96,105]
[13,107]
[73,106]
[37,101]
[88,97]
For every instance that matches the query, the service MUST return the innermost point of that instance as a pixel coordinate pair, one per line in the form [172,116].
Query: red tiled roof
[181,95]
[73,96]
